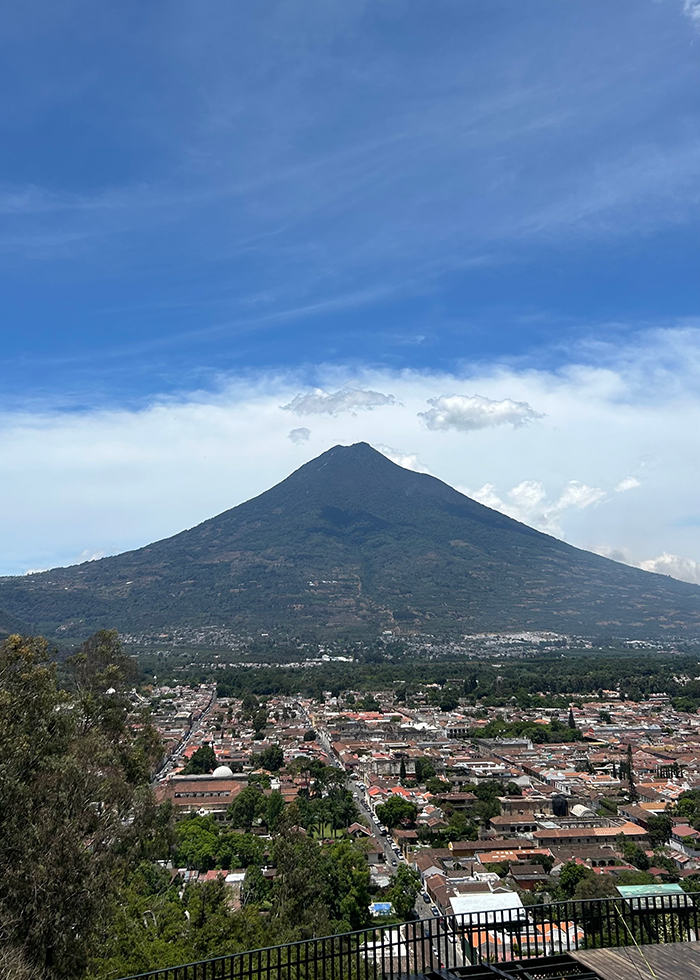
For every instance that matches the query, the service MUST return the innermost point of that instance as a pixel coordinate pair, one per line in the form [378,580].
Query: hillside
[10,624]
[352,542]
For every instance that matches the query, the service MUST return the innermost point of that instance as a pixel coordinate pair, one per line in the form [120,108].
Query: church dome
[222,771]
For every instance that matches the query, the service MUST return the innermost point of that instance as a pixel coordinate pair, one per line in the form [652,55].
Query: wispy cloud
[691,8]
[319,402]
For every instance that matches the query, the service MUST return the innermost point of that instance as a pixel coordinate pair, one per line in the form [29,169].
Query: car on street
[394,863]
[435,910]
[426,897]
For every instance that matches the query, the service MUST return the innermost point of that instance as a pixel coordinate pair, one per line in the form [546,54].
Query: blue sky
[216,204]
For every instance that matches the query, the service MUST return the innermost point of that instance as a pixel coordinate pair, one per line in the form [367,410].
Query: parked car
[435,910]
[426,898]
[394,863]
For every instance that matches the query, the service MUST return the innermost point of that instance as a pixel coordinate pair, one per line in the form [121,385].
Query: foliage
[437,786]
[688,806]
[248,807]
[554,732]
[70,771]
[404,890]
[570,876]
[201,761]
[633,853]
[425,770]
[271,758]
[396,810]
[659,829]
[319,890]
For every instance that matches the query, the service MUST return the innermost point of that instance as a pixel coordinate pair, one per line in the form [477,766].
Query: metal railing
[453,943]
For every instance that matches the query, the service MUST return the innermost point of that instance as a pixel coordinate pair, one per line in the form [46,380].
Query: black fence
[458,944]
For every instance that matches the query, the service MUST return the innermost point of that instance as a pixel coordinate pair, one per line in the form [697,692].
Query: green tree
[437,786]
[629,768]
[260,722]
[448,701]
[570,875]
[273,809]
[197,843]
[633,853]
[404,890]
[248,806]
[425,770]
[396,810]
[271,759]
[659,829]
[70,769]
[256,887]
[201,761]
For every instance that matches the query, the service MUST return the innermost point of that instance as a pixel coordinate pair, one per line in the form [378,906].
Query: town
[583,802]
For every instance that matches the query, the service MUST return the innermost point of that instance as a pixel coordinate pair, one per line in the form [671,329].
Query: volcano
[352,543]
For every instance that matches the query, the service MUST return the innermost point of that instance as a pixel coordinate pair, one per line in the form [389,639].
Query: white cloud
[629,483]
[320,402]
[685,569]
[299,436]
[467,413]
[528,502]
[691,8]
[409,461]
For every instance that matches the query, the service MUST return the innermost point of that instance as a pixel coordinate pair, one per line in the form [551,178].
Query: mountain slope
[350,541]
[10,624]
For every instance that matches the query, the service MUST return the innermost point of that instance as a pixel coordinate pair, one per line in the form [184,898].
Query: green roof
[641,891]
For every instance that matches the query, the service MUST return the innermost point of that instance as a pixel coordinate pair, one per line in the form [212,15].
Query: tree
[572,720]
[197,843]
[425,770]
[70,770]
[448,702]
[310,735]
[659,829]
[202,761]
[396,810]
[571,874]
[630,775]
[260,722]
[273,809]
[271,759]
[256,888]
[402,770]
[633,853]
[437,786]
[404,890]
[248,806]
